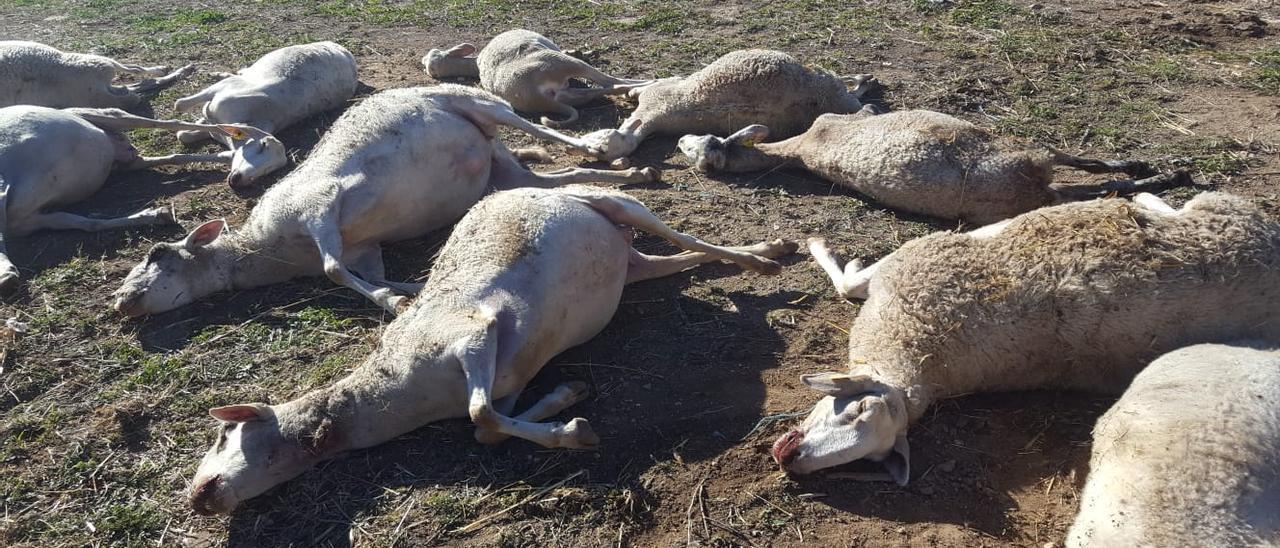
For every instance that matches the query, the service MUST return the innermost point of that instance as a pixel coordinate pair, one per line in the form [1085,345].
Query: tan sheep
[529,71]
[741,87]
[918,161]
[1078,296]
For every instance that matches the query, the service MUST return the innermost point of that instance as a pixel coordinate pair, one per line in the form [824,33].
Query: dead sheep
[1077,296]
[529,71]
[743,87]
[400,164]
[920,161]
[525,275]
[284,87]
[36,74]
[1190,455]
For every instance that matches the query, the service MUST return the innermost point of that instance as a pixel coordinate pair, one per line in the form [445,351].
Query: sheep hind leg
[1122,186]
[507,174]
[489,114]
[1153,202]
[1135,168]
[625,210]
[647,267]
[151,84]
[61,220]
[851,282]
[478,355]
[562,397]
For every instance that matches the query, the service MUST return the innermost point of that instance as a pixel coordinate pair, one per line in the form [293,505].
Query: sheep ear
[750,135]
[204,234]
[235,132]
[244,412]
[839,384]
[461,50]
[898,463]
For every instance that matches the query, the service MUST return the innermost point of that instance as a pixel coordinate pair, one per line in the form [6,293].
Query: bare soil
[103,419]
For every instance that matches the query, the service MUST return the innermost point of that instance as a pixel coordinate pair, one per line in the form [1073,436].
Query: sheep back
[1188,455]
[1074,296]
[745,87]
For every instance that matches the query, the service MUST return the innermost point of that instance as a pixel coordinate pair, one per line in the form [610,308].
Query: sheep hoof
[620,163]
[398,304]
[578,435]
[779,248]
[765,266]
[652,174]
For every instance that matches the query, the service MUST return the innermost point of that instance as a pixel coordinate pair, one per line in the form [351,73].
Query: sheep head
[709,153]
[860,418]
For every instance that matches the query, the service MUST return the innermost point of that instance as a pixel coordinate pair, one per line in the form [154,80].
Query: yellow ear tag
[238,134]
[749,143]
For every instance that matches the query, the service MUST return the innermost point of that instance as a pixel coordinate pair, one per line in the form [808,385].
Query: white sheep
[529,71]
[919,161]
[1077,296]
[36,74]
[1190,455]
[284,87]
[51,158]
[743,87]
[400,164]
[525,275]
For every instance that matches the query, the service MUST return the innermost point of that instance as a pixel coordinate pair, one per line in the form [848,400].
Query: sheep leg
[156,83]
[1132,167]
[507,173]
[61,220]
[647,267]
[114,119]
[143,162]
[853,281]
[489,114]
[1122,186]
[1153,202]
[367,263]
[624,210]
[563,397]
[328,240]
[8,272]
[137,70]
[862,83]
[478,356]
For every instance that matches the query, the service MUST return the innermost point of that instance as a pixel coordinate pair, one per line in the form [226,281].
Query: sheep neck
[379,401]
[253,259]
[757,158]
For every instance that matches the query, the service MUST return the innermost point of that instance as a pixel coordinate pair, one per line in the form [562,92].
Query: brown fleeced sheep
[919,161]
[1078,296]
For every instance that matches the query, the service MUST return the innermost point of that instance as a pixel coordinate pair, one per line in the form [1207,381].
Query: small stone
[902,530]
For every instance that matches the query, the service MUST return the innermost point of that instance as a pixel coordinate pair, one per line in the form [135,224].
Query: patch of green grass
[986,14]
[76,273]
[130,523]
[662,20]
[1268,75]
[1163,68]
[184,19]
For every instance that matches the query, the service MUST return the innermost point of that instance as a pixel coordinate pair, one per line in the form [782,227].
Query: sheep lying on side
[1077,296]
[529,71]
[284,87]
[1190,455]
[51,158]
[36,74]
[742,87]
[400,164]
[526,274]
[918,161]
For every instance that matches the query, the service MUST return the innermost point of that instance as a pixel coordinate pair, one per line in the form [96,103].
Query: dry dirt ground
[102,420]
